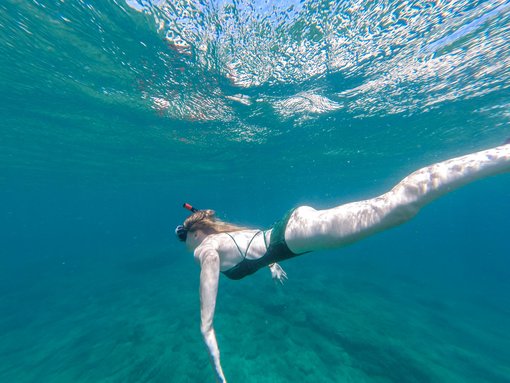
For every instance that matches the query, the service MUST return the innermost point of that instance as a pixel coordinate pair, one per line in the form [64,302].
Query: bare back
[234,247]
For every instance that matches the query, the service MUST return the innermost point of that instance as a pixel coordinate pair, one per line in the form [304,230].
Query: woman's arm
[209,275]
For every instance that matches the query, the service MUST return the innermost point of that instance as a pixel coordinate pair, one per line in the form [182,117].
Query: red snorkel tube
[187,206]
[180,231]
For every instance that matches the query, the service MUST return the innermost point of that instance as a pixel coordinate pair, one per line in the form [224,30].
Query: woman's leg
[309,229]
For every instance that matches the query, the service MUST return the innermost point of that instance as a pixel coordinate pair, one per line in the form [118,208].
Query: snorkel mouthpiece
[180,231]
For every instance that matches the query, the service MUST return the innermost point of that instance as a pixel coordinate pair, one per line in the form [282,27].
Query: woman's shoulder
[231,235]
[220,239]
[240,232]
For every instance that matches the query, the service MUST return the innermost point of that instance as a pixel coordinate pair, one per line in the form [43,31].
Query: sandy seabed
[135,318]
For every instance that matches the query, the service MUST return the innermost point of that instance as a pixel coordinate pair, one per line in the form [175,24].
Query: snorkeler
[237,252]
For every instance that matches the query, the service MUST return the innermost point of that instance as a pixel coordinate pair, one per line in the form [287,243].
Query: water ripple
[405,57]
[238,62]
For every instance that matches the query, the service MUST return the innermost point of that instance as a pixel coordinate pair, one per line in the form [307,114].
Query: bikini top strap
[240,252]
[249,243]
[264,236]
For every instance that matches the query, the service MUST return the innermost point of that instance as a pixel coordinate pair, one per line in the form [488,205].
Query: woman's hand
[278,273]
[214,354]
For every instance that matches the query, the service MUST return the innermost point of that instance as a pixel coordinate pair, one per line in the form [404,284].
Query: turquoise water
[114,113]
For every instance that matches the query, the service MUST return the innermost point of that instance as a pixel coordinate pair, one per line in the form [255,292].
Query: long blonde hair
[206,221]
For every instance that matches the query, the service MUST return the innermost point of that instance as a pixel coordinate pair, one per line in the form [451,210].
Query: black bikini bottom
[277,251]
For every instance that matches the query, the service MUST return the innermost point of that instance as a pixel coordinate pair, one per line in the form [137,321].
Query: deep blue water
[114,114]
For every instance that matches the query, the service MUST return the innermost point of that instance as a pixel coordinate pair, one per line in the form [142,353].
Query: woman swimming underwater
[236,252]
